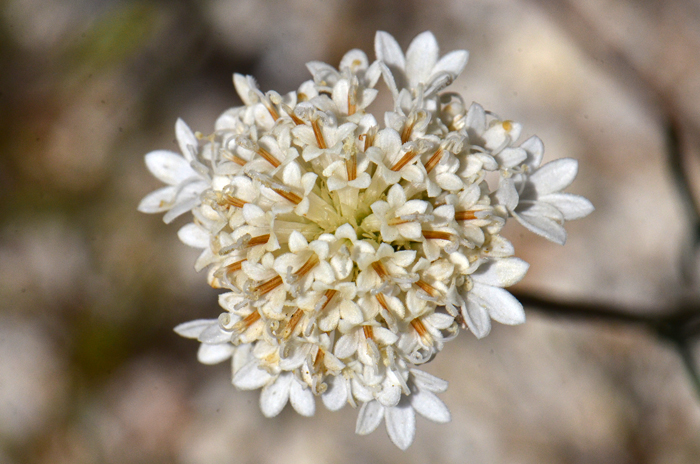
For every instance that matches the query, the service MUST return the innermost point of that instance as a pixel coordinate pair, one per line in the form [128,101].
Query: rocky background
[90,369]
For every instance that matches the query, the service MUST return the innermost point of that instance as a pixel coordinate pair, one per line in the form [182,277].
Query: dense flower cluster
[351,251]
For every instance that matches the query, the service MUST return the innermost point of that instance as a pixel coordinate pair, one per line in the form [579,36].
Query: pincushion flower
[351,251]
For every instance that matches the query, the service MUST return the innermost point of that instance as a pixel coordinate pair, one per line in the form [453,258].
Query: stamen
[259,240]
[397,221]
[267,286]
[318,360]
[434,160]
[273,112]
[351,167]
[427,288]
[242,325]
[379,268]
[408,128]
[352,100]
[231,157]
[437,235]
[308,265]
[234,267]
[292,323]
[325,300]
[417,324]
[267,156]
[405,159]
[290,196]
[507,125]
[382,301]
[410,218]
[296,118]
[319,135]
[228,200]
[369,333]
[464,215]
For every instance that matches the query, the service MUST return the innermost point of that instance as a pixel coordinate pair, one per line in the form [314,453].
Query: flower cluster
[350,251]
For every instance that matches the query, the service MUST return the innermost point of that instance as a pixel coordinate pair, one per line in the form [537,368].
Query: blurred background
[90,289]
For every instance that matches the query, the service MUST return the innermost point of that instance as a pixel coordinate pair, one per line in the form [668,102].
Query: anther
[426,287]
[417,324]
[289,196]
[325,300]
[408,128]
[234,267]
[259,240]
[379,268]
[369,333]
[405,159]
[268,286]
[317,132]
[434,160]
[267,156]
[308,265]
[382,301]
[292,323]
[464,215]
[436,235]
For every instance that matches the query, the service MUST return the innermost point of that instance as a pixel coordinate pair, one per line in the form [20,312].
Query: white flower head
[351,251]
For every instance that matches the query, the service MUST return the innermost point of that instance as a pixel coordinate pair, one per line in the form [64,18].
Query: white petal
[429,382]
[535,150]
[396,196]
[193,329]
[214,354]
[440,321]
[274,397]
[384,336]
[510,157]
[158,201]
[453,63]
[297,242]
[169,167]
[476,317]
[476,120]
[401,425]
[555,175]
[182,206]
[506,194]
[389,396]
[571,206]
[214,335]
[501,272]
[186,139]
[501,305]
[242,85]
[547,228]
[388,50]
[251,377]
[337,394]
[302,399]
[421,56]
[369,418]
[346,346]
[194,235]
[431,407]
